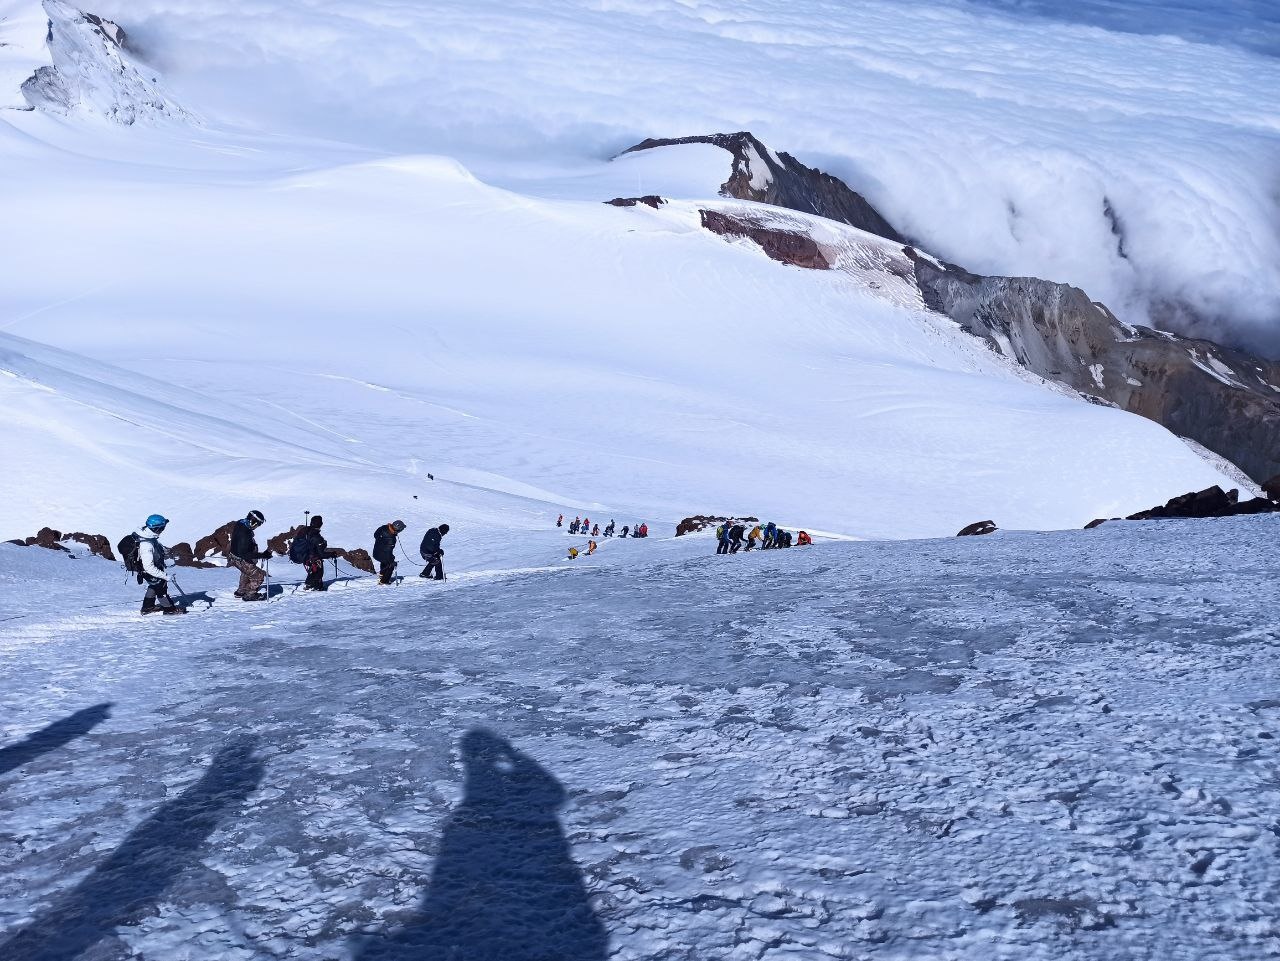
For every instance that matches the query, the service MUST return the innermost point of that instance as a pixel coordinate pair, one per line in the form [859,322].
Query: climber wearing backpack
[384,549]
[309,548]
[770,536]
[560,521]
[143,554]
[722,537]
[608,531]
[803,539]
[432,553]
[736,533]
[243,554]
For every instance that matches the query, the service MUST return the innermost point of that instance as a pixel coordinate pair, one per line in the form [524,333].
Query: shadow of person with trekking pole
[53,737]
[132,879]
[505,886]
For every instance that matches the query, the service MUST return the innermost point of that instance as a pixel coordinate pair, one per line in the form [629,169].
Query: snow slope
[1057,746]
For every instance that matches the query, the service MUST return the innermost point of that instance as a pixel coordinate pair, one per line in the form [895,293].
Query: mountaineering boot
[424,572]
[149,606]
[174,610]
[253,597]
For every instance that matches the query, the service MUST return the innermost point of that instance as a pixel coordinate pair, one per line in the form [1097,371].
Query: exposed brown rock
[978,527]
[219,542]
[785,246]
[787,182]
[182,556]
[649,200]
[358,558]
[1097,522]
[53,540]
[1224,399]
[700,522]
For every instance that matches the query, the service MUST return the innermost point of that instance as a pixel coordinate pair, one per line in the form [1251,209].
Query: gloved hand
[264,556]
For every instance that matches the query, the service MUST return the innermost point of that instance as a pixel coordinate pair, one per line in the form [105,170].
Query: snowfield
[1059,746]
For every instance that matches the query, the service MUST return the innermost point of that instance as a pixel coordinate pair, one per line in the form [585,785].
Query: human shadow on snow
[505,885]
[53,737]
[131,880]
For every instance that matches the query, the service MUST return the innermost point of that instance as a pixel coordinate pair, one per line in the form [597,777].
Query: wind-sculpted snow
[1137,166]
[1057,746]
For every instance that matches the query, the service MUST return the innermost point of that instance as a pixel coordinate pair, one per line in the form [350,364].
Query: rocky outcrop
[50,539]
[757,173]
[1272,488]
[649,200]
[978,528]
[92,70]
[1224,399]
[1211,502]
[700,522]
[784,246]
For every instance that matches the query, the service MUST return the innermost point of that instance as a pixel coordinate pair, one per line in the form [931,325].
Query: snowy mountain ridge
[92,71]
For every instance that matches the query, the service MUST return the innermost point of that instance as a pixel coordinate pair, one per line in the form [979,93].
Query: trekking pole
[266,569]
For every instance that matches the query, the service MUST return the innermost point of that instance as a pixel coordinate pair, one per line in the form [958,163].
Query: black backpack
[300,549]
[128,548]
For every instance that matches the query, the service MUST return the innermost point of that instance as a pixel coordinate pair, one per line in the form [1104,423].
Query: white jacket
[151,553]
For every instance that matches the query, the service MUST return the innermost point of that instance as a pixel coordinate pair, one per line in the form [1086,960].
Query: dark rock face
[649,200]
[779,179]
[1224,399]
[1211,502]
[219,542]
[53,540]
[1272,488]
[784,246]
[700,522]
[977,528]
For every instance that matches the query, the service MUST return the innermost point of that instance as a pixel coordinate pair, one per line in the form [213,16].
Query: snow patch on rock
[93,72]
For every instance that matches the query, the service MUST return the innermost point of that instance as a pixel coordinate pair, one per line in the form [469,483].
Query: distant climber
[384,550]
[608,531]
[575,525]
[243,555]
[783,539]
[591,548]
[803,539]
[560,521]
[433,553]
[753,537]
[595,530]
[722,537]
[143,554]
[573,553]
[736,533]
[310,549]
[770,538]
[625,529]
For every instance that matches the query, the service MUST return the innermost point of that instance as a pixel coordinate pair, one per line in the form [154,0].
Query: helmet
[255,518]
[397,526]
[444,528]
[157,522]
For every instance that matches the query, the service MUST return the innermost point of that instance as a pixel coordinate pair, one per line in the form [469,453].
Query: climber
[753,537]
[243,555]
[143,554]
[433,553]
[591,548]
[625,529]
[722,537]
[736,533]
[560,521]
[770,536]
[310,549]
[384,549]
[803,539]
[608,531]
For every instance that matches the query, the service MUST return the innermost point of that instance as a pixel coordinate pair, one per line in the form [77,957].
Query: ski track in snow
[1022,746]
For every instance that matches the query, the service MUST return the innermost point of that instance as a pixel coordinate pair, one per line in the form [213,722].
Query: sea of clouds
[1132,149]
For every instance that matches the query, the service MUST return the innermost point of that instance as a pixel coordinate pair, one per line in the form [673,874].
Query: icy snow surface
[1061,746]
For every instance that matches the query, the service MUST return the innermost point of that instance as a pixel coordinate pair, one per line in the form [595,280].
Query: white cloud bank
[999,141]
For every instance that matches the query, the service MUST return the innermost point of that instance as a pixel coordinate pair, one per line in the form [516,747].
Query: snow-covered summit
[93,71]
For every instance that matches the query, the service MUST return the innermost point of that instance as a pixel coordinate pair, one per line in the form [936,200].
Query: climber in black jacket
[384,549]
[432,552]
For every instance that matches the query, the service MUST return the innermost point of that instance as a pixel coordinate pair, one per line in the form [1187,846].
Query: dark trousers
[386,571]
[723,546]
[157,595]
[735,545]
[315,576]
[435,562]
